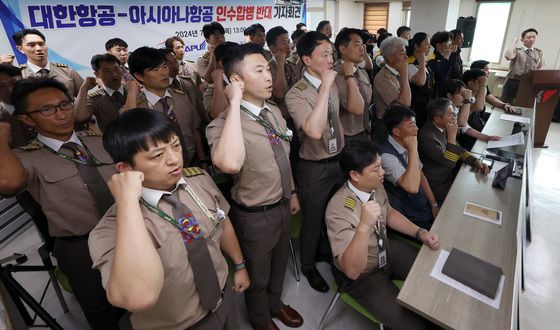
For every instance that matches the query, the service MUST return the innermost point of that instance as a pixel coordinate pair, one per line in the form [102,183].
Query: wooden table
[499,245]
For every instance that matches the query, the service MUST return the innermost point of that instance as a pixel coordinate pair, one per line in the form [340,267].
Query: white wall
[395,17]
[429,16]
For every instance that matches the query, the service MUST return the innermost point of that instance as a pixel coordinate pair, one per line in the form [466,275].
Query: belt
[258,209]
[73,238]
[334,158]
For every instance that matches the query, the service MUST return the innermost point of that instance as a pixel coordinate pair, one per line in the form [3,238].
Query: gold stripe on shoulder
[34,145]
[192,171]
[89,132]
[178,91]
[301,86]
[350,203]
[60,65]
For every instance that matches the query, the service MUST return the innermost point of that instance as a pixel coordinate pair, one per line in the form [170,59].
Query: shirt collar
[254,109]
[153,98]
[152,196]
[111,91]
[8,107]
[400,149]
[525,48]
[36,68]
[363,196]
[392,70]
[316,82]
[57,144]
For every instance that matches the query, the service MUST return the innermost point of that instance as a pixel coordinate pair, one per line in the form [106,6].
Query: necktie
[90,174]
[288,74]
[171,115]
[43,73]
[175,84]
[367,115]
[204,273]
[117,99]
[528,61]
[280,156]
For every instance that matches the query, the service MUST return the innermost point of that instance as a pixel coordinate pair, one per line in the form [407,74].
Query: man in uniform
[159,248]
[256,34]
[206,64]
[390,84]
[357,219]
[439,150]
[214,98]
[439,61]
[250,140]
[106,102]
[522,60]
[314,106]
[21,135]
[455,60]
[66,174]
[325,28]
[404,32]
[32,43]
[119,48]
[490,98]
[149,67]
[353,84]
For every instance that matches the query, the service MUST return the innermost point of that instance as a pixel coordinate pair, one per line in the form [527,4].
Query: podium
[540,90]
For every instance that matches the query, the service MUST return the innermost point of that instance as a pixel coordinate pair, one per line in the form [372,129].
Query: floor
[538,303]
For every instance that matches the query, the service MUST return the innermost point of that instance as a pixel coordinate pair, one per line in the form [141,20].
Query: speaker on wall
[467,25]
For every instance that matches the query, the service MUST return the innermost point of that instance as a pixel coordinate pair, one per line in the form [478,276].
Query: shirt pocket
[64,184]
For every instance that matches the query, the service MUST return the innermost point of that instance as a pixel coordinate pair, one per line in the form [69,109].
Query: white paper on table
[515,118]
[438,275]
[506,141]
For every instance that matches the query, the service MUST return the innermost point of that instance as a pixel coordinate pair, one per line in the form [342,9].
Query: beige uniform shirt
[178,306]
[208,96]
[353,124]
[386,89]
[194,94]
[100,105]
[54,182]
[292,72]
[342,218]
[300,100]
[259,181]
[202,64]
[518,65]
[61,72]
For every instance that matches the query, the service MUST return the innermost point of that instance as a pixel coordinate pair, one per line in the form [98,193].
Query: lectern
[539,89]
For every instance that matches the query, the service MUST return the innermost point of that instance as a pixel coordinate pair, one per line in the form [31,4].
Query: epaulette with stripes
[31,146]
[89,132]
[60,65]
[350,203]
[96,93]
[192,171]
[301,86]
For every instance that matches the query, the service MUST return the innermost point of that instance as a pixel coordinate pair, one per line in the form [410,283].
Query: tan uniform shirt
[386,89]
[194,94]
[292,72]
[300,101]
[342,218]
[259,181]
[207,98]
[178,306]
[54,182]
[353,124]
[61,72]
[267,54]
[100,105]
[202,64]
[518,65]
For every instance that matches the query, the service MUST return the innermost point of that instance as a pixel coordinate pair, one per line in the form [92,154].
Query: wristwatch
[434,205]
[471,100]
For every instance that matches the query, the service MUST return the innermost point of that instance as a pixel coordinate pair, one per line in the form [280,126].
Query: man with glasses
[65,172]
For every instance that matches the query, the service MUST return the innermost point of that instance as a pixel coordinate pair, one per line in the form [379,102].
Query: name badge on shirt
[332,146]
[382,258]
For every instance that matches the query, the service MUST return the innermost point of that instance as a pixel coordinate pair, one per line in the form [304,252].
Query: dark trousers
[509,91]
[378,295]
[75,262]
[318,181]
[225,317]
[363,136]
[265,239]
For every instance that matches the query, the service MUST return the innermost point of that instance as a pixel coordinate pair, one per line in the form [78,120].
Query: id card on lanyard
[379,229]
[332,143]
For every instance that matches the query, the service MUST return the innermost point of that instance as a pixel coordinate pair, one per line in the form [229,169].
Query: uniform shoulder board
[96,93]
[206,55]
[538,49]
[271,102]
[350,203]
[192,171]
[23,66]
[31,146]
[89,132]
[301,86]
[189,61]
[178,91]
[60,65]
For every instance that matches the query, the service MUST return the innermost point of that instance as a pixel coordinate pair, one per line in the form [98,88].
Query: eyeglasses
[51,110]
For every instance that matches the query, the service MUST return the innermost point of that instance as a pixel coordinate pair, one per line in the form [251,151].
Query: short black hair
[417,39]
[145,58]
[343,37]
[472,74]
[439,37]
[133,131]
[273,34]
[23,88]
[296,35]
[480,64]
[381,31]
[114,43]
[210,28]
[18,36]
[253,29]
[97,59]
[222,49]
[10,70]
[454,33]
[437,107]
[237,53]
[357,155]
[300,25]
[382,37]
[366,36]
[395,115]
[453,86]
[321,25]
[308,42]
[527,31]
[169,41]
[402,30]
